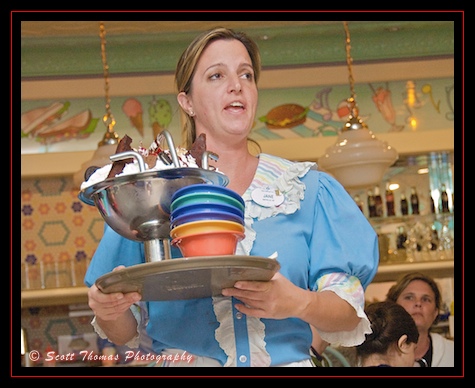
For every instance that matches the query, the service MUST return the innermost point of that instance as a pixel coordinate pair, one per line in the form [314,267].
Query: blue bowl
[200,208]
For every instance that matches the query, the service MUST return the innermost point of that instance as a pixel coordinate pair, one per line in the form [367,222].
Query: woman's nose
[235,86]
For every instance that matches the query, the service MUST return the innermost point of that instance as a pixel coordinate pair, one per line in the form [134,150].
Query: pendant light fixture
[357,160]
[108,144]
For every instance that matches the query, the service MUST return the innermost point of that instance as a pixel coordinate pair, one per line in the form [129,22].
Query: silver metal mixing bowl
[137,206]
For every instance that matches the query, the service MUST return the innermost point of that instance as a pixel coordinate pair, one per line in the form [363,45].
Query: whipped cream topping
[184,157]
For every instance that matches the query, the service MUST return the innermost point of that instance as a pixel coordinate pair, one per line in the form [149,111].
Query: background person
[419,294]
[317,348]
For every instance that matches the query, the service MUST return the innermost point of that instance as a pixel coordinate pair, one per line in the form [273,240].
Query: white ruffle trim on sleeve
[355,336]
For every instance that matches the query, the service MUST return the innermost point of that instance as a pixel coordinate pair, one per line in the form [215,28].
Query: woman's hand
[278,298]
[109,307]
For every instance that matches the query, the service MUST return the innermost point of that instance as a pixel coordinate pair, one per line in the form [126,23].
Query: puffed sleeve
[343,239]
[346,254]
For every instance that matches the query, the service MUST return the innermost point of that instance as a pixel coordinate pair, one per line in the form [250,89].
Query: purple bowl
[206,215]
[200,208]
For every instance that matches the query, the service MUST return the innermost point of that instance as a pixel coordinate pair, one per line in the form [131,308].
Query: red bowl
[208,244]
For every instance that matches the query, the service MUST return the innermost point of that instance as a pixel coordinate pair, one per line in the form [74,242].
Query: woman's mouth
[235,105]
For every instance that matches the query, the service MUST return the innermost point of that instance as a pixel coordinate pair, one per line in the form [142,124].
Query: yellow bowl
[206,226]
[208,244]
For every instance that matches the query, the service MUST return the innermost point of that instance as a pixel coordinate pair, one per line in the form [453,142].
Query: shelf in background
[53,296]
[386,272]
[436,269]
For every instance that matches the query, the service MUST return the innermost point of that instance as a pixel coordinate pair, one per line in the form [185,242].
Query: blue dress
[323,241]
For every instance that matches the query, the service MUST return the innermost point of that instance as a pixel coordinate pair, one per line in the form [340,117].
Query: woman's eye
[215,76]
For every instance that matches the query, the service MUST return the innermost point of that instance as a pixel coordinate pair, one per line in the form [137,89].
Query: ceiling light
[358,159]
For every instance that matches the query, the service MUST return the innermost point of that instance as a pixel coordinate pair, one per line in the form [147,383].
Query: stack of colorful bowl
[206,220]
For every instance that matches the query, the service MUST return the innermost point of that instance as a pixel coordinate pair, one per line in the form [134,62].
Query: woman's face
[419,300]
[223,92]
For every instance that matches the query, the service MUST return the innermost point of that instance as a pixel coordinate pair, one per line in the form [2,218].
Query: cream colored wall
[270,79]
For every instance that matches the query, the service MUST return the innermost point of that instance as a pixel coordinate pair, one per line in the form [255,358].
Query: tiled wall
[59,234]
[57,231]
[43,326]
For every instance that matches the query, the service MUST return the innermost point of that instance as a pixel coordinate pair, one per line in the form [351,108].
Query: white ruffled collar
[280,175]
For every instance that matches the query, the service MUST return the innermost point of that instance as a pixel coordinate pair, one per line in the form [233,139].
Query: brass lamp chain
[354,121]
[349,60]
[110,137]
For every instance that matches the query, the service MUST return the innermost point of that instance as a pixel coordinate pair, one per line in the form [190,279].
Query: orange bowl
[205,226]
[208,244]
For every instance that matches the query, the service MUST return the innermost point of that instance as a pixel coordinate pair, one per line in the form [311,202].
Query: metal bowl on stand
[137,206]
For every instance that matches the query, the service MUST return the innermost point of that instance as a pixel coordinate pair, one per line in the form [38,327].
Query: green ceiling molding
[132,54]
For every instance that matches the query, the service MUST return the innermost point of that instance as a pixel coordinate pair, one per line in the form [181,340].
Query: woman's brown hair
[389,322]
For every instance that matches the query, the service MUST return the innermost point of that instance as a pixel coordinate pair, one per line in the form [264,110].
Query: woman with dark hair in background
[394,338]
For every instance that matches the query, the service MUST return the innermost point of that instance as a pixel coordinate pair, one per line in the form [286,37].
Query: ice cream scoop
[133,109]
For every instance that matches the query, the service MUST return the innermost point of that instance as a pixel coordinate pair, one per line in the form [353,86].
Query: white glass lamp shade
[358,159]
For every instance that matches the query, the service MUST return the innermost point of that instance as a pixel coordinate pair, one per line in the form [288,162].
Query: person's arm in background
[318,347]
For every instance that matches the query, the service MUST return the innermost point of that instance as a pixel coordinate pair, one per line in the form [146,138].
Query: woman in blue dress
[326,248]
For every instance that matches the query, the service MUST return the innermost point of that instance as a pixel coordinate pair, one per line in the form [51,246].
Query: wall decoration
[45,125]
[396,106]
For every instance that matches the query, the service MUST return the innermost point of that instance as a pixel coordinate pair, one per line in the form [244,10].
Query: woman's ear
[402,344]
[184,102]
